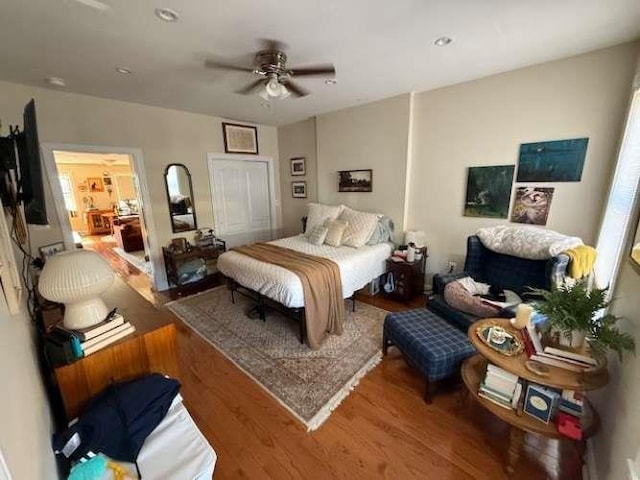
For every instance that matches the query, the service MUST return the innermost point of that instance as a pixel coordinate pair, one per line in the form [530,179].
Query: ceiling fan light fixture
[443,41]
[167,14]
[274,89]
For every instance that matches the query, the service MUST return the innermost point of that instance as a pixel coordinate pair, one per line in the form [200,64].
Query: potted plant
[573,311]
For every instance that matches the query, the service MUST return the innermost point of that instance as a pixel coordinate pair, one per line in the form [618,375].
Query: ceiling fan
[274,81]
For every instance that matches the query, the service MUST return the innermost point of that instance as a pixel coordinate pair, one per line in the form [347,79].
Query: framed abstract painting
[489,191]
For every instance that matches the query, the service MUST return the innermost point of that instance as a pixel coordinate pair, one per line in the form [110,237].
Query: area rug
[136,259]
[310,384]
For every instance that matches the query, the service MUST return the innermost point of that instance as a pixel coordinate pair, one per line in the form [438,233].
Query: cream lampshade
[417,237]
[77,279]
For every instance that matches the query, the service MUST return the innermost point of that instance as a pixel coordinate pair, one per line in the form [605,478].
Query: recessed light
[331,81]
[167,14]
[56,81]
[123,70]
[443,41]
[265,105]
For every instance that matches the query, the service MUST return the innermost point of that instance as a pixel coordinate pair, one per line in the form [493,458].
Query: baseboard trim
[589,470]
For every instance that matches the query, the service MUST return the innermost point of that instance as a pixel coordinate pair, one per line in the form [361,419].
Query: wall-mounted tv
[30,182]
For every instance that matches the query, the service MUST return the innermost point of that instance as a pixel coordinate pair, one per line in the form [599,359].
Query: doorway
[99,200]
[242,190]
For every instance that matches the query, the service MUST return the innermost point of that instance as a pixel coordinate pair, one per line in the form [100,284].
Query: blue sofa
[506,271]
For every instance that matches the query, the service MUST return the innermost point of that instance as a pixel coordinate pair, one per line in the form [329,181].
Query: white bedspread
[358,266]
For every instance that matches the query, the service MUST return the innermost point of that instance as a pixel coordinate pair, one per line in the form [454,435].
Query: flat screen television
[31,188]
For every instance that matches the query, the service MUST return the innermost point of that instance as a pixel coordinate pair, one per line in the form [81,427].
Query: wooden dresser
[152,348]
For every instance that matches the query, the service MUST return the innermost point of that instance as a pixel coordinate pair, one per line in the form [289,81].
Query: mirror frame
[193,206]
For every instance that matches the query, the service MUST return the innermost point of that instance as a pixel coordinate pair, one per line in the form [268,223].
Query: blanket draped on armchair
[321,284]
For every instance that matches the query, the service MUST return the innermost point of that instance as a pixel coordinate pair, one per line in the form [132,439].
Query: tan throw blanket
[321,284]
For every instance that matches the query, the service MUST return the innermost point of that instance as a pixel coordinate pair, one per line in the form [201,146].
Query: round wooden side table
[473,372]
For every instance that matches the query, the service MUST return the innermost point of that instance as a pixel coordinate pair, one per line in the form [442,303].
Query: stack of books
[99,336]
[501,387]
[555,356]
[568,419]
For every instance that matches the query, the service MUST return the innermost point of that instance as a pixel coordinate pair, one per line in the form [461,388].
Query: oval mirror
[177,181]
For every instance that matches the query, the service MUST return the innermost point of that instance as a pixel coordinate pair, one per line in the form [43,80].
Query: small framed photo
[298,167]
[107,181]
[95,184]
[48,251]
[299,189]
[179,245]
[240,138]
[355,181]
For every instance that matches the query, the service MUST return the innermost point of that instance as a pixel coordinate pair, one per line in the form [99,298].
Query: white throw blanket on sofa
[529,242]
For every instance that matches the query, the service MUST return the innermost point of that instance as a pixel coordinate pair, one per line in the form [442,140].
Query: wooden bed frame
[263,303]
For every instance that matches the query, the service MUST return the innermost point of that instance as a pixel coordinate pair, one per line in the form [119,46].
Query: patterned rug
[310,384]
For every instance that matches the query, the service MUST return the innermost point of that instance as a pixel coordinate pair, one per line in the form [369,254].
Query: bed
[358,266]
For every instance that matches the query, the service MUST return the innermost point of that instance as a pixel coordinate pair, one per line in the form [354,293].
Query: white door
[241,201]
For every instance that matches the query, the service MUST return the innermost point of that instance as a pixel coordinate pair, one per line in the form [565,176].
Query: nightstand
[408,277]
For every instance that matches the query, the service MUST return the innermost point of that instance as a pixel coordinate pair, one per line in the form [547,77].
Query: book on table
[98,336]
[84,334]
[109,339]
[500,387]
[536,349]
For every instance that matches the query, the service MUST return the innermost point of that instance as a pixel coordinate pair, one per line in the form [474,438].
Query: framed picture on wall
[355,181]
[299,189]
[298,166]
[240,138]
[95,184]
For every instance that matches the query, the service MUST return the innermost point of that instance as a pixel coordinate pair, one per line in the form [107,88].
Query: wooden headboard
[154,351]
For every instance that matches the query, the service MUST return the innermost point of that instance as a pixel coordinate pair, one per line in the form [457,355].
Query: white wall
[25,421]
[617,403]
[373,136]
[483,122]
[165,136]
[297,140]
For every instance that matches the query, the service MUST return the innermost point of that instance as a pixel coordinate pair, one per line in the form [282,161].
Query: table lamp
[77,279]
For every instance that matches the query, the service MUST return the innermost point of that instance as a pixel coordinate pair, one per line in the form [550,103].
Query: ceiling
[380,48]
[84,158]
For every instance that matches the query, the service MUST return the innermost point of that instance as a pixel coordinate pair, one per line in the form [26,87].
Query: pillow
[318,213]
[317,235]
[360,226]
[335,233]
[461,299]
[382,233]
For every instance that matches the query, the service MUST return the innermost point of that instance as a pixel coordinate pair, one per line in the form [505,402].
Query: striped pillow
[317,235]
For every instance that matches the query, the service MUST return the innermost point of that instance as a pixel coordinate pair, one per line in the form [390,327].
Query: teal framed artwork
[489,191]
[556,161]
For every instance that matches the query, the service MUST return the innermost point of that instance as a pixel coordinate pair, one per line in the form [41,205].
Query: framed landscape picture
[298,167]
[299,189]
[532,205]
[240,138]
[556,161]
[355,181]
[489,191]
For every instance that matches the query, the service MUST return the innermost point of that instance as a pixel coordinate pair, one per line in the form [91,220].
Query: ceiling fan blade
[94,4]
[271,45]
[324,70]
[294,88]
[227,66]
[252,87]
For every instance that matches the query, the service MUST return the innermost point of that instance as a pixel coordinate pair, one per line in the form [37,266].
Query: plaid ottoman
[428,342]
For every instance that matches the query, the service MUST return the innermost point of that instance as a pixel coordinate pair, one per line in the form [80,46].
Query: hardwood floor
[383,429]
